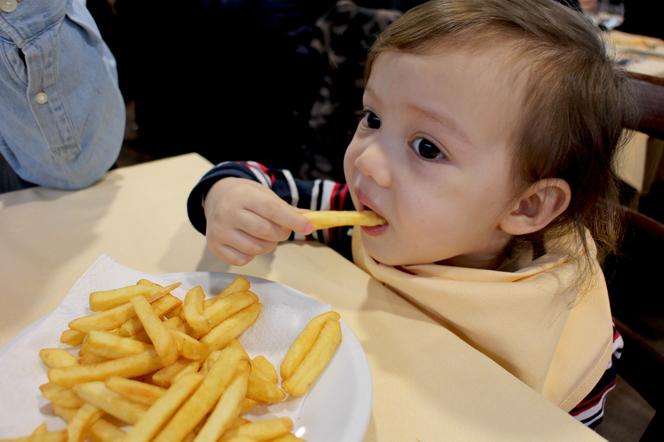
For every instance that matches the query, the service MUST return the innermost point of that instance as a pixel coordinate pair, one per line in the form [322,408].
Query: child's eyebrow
[444,120]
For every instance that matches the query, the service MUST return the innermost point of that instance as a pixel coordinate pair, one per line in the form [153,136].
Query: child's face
[433,154]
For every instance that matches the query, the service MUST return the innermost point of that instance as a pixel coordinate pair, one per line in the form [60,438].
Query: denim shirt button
[41,98]
[8,5]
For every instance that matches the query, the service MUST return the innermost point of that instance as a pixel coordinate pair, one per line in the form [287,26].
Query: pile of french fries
[151,367]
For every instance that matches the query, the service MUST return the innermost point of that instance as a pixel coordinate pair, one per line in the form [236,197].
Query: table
[428,384]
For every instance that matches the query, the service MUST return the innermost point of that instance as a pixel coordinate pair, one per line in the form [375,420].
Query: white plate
[337,408]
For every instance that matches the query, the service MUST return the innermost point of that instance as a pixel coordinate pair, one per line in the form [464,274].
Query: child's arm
[226,205]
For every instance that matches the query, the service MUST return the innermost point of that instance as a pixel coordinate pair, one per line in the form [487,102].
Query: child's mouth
[375,230]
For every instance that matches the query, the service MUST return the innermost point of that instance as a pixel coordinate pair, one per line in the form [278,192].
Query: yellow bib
[533,322]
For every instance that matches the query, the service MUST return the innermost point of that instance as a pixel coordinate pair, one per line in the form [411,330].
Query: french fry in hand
[304,342]
[326,219]
[160,335]
[315,361]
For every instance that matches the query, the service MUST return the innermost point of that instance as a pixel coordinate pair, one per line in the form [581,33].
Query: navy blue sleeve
[312,195]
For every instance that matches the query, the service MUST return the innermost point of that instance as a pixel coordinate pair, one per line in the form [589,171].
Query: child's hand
[246,219]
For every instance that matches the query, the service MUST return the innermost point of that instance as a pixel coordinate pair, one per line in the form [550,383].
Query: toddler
[486,143]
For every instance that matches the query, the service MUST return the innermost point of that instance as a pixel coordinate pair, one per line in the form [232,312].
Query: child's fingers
[284,215]
[228,254]
[261,228]
[247,244]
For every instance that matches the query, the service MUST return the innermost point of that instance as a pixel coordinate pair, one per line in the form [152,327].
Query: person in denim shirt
[63,116]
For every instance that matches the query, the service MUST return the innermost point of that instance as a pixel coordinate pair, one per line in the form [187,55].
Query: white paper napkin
[22,407]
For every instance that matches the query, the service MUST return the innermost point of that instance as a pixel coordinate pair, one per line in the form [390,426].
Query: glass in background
[607,14]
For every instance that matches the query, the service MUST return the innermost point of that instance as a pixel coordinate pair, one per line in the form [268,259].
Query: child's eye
[371,120]
[427,149]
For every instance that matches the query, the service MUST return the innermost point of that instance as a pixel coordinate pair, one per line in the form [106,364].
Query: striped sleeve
[590,410]
[312,195]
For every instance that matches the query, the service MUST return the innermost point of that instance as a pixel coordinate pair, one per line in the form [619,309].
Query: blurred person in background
[63,116]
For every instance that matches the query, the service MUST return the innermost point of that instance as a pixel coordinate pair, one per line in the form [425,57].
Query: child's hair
[575,104]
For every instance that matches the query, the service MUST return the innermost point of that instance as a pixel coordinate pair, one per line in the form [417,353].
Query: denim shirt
[62,116]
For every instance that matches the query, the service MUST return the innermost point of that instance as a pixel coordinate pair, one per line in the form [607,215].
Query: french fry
[209,361]
[202,377]
[136,391]
[161,307]
[51,436]
[192,367]
[204,398]
[315,361]
[265,368]
[239,284]
[189,347]
[101,430]
[57,357]
[111,346]
[159,334]
[128,367]
[81,423]
[97,394]
[288,438]
[229,305]
[106,320]
[193,310]
[72,337]
[247,405]
[106,299]
[114,317]
[228,407]
[59,395]
[175,323]
[303,343]
[91,358]
[262,390]
[232,327]
[326,219]
[163,409]
[263,430]
[165,376]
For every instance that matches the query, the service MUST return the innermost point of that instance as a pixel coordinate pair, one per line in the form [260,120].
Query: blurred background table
[427,383]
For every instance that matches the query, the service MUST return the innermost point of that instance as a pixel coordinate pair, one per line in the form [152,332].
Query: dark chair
[634,278]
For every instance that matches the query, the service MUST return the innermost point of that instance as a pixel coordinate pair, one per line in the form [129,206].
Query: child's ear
[540,204]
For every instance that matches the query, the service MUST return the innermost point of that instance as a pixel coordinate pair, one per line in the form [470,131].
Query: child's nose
[373,163]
